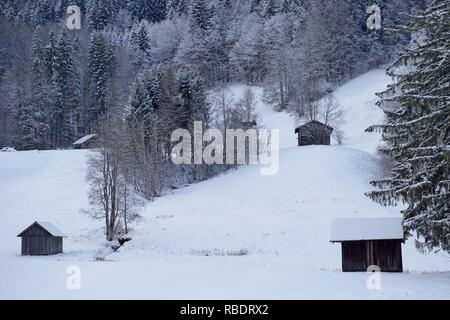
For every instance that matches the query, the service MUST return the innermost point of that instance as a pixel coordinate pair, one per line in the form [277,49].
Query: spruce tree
[194,106]
[417,129]
[176,8]
[50,53]
[200,16]
[255,6]
[100,13]
[270,9]
[145,99]
[102,66]
[66,92]
[152,11]
[33,109]
[141,42]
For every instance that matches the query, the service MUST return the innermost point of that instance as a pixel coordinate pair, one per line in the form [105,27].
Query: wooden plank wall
[37,241]
[357,256]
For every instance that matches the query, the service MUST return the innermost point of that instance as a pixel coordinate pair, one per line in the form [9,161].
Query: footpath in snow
[239,235]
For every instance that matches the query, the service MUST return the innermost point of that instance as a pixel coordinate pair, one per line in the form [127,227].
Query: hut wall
[37,241]
[354,256]
[387,255]
[313,134]
[357,256]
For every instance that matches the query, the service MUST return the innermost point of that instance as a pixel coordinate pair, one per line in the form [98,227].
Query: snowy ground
[240,235]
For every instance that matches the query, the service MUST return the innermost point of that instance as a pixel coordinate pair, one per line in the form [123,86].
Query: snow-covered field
[240,235]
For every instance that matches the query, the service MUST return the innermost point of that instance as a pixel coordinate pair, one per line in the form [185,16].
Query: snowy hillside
[239,235]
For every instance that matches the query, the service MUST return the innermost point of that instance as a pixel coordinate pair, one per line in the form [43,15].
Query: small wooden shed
[41,239]
[249,124]
[314,133]
[86,142]
[369,242]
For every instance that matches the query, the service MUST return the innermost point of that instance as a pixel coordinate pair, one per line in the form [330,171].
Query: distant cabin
[41,239]
[369,241]
[249,124]
[314,132]
[86,142]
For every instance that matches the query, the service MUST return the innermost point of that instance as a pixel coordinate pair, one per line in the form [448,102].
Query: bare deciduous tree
[309,99]
[330,111]
[223,104]
[247,105]
[331,114]
[147,156]
[110,198]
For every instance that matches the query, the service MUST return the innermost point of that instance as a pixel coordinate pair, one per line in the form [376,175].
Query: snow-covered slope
[239,235]
[357,99]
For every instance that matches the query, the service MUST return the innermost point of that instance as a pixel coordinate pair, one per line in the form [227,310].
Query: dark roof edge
[314,121]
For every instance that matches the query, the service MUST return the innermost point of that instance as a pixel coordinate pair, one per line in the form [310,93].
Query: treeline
[57,83]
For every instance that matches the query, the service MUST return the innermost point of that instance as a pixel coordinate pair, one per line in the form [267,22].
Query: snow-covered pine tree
[35,119]
[139,103]
[417,108]
[28,103]
[219,43]
[177,8]
[102,66]
[269,9]
[66,93]
[80,49]
[193,50]
[152,79]
[149,130]
[101,12]
[294,7]
[169,102]
[140,40]
[248,54]
[42,12]
[8,9]
[194,106]
[199,16]
[152,11]
[50,53]
[145,98]
[228,4]
[255,6]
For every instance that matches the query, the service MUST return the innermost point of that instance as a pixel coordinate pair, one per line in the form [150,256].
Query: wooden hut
[41,238]
[369,242]
[86,142]
[314,132]
[249,124]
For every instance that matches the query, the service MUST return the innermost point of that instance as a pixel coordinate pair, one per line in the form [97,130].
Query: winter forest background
[139,69]
[57,83]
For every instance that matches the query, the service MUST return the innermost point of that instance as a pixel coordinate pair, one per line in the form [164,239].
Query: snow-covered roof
[84,139]
[314,122]
[50,227]
[352,229]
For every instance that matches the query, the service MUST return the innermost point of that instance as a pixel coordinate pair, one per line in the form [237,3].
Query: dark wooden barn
[86,142]
[369,242]
[314,132]
[249,124]
[41,238]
